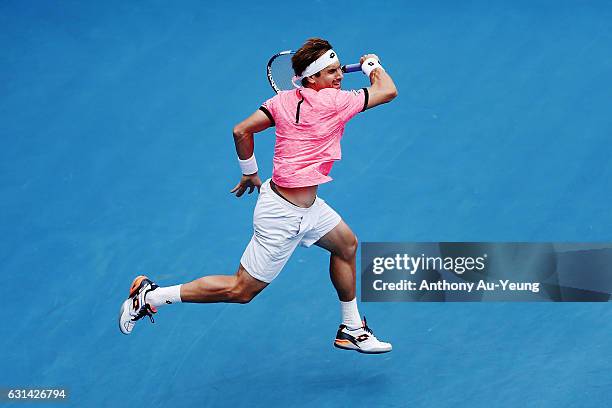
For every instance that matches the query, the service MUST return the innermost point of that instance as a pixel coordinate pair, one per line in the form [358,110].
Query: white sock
[164,296]
[350,314]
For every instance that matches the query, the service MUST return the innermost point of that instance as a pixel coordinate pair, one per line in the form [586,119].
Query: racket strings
[282,73]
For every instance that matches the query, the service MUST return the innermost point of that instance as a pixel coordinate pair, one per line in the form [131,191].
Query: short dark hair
[312,49]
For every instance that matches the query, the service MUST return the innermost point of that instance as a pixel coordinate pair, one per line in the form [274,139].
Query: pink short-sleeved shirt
[309,126]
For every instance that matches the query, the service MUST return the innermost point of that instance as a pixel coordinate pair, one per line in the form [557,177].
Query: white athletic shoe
[135,307]
[361,340]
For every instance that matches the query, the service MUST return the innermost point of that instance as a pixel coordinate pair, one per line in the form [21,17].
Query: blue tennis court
[117,159]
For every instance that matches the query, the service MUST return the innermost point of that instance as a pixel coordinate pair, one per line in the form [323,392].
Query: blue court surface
[117,159]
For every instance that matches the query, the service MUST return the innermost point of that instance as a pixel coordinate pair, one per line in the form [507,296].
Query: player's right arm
[245,147]
[382,89]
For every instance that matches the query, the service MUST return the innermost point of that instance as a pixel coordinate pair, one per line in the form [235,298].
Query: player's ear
[310,80]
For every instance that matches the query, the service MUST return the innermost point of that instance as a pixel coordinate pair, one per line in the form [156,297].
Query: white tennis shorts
[279,227]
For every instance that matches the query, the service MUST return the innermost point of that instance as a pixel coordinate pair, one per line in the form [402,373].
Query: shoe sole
[353,348]
[120,316]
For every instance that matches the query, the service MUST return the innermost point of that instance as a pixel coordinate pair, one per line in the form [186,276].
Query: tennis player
[309,122]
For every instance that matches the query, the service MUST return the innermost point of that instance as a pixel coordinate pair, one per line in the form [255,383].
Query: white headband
[320,64]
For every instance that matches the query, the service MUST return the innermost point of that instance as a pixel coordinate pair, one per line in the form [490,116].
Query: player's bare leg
[342,243]
[238,288]
[353,334]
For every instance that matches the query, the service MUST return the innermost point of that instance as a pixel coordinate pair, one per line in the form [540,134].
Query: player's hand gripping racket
[282,77]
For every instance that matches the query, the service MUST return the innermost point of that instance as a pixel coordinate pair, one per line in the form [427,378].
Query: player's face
[331,77]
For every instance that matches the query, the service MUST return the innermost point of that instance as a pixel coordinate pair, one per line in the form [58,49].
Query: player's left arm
[245,147]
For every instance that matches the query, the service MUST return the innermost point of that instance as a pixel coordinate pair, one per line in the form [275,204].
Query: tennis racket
[281,75]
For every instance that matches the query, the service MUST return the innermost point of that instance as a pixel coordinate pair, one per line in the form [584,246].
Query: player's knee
[241,295]
[353,246]
[349,251]
[246,297]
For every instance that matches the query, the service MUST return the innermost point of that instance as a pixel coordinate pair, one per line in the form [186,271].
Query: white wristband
[248,166]
[369,65]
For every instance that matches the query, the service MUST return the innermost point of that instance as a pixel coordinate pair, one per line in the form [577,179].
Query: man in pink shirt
[309,123]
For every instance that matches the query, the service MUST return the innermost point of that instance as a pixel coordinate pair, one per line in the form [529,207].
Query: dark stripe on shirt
[268,114]
[367,97]
[297,112]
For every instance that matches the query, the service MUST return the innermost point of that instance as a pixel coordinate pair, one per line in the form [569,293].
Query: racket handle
[351,68]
